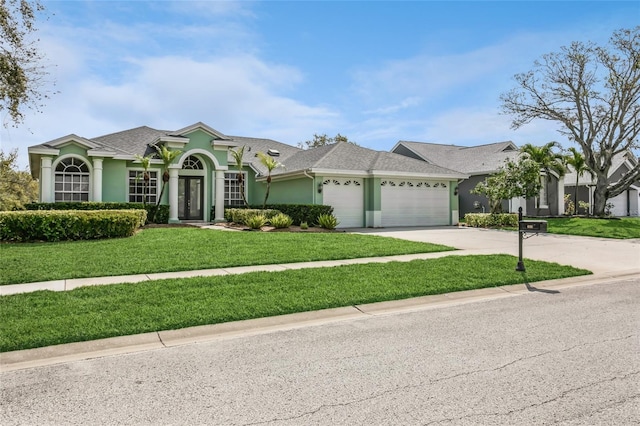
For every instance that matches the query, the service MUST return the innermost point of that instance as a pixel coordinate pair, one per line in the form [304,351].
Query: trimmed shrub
[297,212]
[61,225]
[281,221]
[304,225]
[244,215]
[256,221]
[162,216]
[491,220]
[328,221]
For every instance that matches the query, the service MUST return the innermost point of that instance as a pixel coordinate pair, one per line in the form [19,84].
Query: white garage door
[346,196]
[414,203]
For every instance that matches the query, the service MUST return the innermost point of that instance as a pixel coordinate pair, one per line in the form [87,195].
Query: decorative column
[219,213]
[560,196]
[45,180]
[173,194]
[97,179]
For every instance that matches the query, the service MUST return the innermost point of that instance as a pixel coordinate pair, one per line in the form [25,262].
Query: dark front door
[190,197]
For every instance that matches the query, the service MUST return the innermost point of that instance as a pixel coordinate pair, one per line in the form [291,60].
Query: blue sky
[377,72]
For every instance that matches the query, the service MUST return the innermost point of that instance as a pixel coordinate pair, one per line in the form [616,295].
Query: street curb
[50,355]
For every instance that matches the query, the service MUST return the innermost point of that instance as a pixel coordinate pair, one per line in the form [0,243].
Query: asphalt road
[570,358]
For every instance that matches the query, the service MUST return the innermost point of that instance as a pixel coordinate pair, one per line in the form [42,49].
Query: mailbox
[537,226]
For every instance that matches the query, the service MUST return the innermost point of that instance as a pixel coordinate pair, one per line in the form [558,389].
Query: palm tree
[237,157]
[547,159]
[145,162]
[270,163]
[577,161]
[167,156]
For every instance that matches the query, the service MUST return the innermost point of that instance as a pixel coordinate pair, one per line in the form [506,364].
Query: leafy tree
[579,165]
[17,187]
[237,157]
[146,163]
[593,93]
[21,74]
[167,156]
[271,164]
[322,140]
[513,180]
[547,160]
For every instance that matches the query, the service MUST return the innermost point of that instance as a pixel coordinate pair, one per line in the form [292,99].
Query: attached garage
[346,196]
[414,203]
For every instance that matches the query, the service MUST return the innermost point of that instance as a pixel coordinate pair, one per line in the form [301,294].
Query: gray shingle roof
[472,160]
[341,157]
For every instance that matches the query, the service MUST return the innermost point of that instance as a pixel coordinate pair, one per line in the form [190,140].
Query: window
[192,163]
[138,188]
[232,195]
[72,180]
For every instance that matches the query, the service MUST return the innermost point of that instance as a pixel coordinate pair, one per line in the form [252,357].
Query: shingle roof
[343,156]
[472,160]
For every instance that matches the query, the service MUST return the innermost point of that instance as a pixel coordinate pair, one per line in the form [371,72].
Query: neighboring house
[624,204]
[479,162]
[365,187]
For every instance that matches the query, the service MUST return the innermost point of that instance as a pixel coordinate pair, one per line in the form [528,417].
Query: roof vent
[273,153]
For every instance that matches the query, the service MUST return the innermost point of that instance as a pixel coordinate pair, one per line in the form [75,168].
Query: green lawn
[47,318]
[628,227]
[182,249]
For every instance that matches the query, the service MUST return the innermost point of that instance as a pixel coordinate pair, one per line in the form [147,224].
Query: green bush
[242,216]
[304,225]
[162,216]
[61,225]
[328,221]
[297,212]
[281,221]
[491,220]
[256,221]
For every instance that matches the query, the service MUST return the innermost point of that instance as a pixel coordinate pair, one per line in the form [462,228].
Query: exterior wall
[372,203]
[583,195]
[114,181]
[553,207]
[454,203]
[467,199]
[402,150]
[294,191]
[202,140]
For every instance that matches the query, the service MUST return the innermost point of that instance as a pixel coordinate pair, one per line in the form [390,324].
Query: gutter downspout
[313,190]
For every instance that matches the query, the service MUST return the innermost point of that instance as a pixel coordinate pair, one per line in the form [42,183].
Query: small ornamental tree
[513,180]
[237,155]
[271,164]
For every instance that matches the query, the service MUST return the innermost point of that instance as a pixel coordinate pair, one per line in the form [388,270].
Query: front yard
[622,228]
[186,248]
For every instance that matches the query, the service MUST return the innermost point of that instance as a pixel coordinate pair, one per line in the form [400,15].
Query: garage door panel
[414,203]
[346,196]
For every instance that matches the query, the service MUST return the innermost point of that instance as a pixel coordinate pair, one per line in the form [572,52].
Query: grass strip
[183,249]
[48,318]
[618,228]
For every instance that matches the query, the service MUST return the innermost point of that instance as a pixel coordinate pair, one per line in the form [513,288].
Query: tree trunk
[600,197]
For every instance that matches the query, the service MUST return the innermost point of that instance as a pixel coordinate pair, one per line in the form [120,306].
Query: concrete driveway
[599,255]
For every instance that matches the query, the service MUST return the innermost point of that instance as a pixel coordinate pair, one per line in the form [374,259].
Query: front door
[190,197]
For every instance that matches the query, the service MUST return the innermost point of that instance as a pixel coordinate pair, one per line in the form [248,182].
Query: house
[479,162]
[624,204]
[365,187]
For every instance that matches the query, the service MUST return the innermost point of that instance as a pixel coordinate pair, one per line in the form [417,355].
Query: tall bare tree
[593,93]
[21,70]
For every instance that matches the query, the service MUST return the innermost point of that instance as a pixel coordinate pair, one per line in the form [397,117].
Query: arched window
[192,163]
[72,180]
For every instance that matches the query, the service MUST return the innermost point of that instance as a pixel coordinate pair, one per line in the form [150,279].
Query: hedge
[308,213]
[162,217]
[61,225]
[490,220]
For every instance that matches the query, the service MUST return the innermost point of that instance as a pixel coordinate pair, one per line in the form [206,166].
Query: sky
[374,71]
